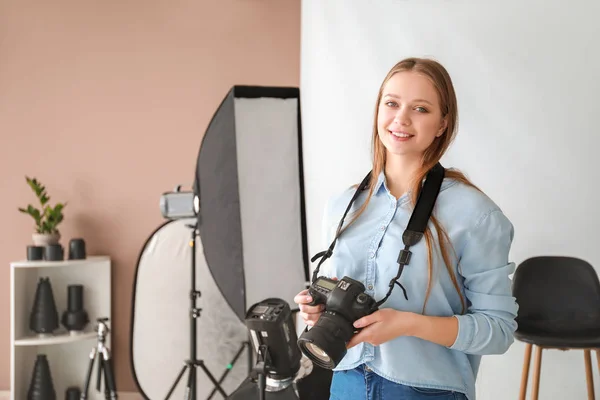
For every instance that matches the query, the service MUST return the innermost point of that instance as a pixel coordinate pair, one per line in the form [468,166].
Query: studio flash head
[281,371]
[179,205]
[345,301]
[274,338]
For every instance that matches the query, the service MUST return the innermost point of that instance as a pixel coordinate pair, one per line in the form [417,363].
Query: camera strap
[413,232]
[324,255]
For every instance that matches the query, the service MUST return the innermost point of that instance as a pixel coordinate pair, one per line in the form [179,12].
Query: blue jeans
[362,383]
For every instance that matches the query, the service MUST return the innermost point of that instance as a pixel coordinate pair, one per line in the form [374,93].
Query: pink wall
[106,103]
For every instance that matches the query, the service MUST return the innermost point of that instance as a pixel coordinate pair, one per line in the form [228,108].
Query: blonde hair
[440,78]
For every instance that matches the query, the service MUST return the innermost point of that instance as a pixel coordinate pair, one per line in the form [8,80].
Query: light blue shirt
[481,236]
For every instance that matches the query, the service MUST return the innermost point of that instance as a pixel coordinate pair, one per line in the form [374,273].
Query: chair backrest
[557,295]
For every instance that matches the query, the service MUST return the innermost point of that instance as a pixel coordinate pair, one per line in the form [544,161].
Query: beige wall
[106,103]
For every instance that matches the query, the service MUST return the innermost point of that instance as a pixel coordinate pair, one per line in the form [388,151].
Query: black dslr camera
[345,301]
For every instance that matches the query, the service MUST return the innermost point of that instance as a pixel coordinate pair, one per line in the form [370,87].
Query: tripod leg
[190,389]
[229,367]
[86,386]
[176,382]
[212,379]
[110,390]
[99,374]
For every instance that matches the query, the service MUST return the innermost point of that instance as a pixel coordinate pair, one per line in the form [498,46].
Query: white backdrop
[527,76]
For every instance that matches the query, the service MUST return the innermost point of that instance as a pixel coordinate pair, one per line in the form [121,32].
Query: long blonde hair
[440,78]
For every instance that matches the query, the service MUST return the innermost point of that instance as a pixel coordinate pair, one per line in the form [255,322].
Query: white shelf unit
[68,354]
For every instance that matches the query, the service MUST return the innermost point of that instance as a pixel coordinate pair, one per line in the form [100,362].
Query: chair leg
[589,377]
[537,368]
[525,373]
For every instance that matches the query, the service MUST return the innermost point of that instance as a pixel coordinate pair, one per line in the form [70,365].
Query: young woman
[460,304]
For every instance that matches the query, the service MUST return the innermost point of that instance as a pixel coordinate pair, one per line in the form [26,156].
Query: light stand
[261,387]
[191,388]
[262,366]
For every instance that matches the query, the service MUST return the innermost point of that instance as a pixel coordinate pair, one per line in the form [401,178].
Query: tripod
[104,364]
[193,363]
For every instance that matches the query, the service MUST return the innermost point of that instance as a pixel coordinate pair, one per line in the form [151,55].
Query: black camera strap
[324,255]
[413,233]
[417,224]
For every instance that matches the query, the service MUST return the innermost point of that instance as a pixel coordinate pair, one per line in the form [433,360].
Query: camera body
[345,301]
[345,297]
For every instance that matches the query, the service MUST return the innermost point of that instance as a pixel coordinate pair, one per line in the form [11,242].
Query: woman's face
[409,116]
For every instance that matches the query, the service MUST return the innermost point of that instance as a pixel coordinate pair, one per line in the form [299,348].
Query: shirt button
[383,228]
[370,287]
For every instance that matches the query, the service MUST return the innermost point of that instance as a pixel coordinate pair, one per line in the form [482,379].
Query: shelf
[57,338]
[64,263]
[67,354]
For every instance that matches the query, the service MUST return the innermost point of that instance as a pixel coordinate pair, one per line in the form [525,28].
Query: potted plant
[47,218]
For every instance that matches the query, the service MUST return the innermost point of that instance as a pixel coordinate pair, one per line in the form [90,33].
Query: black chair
[559,308]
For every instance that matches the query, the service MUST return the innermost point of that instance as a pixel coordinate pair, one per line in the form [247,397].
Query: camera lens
[318,352]
[325,343]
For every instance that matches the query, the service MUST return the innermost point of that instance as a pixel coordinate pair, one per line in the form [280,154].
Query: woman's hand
[310,314]
[382,326]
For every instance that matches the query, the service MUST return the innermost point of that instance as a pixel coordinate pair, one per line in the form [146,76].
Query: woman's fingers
[310,319]
[310,314]
[310,309]
[301,297]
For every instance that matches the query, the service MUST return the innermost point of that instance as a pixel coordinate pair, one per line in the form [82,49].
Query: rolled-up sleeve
[488,326]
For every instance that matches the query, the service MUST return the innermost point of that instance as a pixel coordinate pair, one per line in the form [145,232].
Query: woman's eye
[391,104]
[421,109]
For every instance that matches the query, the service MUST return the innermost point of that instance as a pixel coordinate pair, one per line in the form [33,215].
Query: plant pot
[45,239]
[54,252]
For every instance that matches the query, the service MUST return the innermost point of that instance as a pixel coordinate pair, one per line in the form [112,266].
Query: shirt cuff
[466,332]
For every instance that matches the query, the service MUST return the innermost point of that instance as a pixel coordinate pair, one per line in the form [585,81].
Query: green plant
[48,218]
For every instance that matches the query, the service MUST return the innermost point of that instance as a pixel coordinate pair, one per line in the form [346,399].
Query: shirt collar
[381,187]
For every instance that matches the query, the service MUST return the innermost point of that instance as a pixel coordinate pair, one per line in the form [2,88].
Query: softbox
[249,180]
[251,245]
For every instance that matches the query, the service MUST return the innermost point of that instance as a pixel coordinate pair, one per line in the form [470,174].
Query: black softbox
[250,183]
[251,245]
